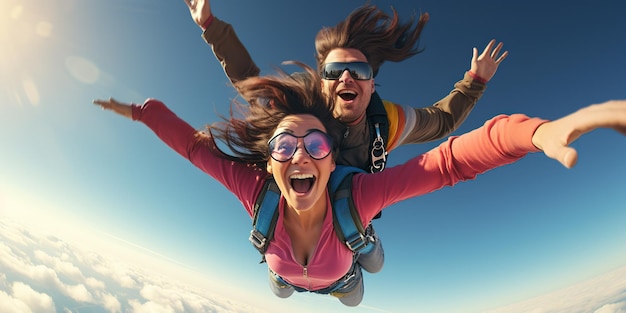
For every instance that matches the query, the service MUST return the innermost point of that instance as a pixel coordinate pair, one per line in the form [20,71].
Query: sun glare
[28,36]
[9,35]
[82,69]
[18,36]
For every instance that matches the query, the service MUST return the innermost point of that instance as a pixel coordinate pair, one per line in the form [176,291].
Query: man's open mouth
[347,95]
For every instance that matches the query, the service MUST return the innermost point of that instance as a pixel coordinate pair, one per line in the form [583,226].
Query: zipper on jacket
[305,274]
[345,135]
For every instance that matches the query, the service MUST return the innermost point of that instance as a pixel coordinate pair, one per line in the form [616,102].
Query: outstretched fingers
[486,65]
[493,54]
[120,108]
[488,48]
[105,104]
[496,52]
[610,114]
[200,11]
[190,4]
[555,137]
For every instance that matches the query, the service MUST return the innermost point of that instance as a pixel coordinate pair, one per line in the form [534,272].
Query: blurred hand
[555,137]
[486,64]
[123,109]
[200,10]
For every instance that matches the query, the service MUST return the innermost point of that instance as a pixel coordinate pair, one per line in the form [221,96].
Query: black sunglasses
[358,70]
[317,145]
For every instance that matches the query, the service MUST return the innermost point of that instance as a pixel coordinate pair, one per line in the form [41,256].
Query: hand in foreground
[486,64]
[200,11]
[554,137]
[120,108]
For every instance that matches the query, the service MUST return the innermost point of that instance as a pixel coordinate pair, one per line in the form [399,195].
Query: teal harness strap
[346,219]
[265,216]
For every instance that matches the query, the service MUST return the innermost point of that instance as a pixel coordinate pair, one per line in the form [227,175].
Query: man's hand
[486,64]
[200,11]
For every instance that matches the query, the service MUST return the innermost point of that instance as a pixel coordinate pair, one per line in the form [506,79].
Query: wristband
[207,23]
[476,77]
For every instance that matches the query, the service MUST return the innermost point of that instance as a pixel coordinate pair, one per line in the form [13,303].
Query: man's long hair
[377,35]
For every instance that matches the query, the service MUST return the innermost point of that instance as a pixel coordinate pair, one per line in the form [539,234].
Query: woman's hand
[555,137]
[120,108]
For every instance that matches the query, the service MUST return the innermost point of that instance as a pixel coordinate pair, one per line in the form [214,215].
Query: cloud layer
[603,294]
[41,273]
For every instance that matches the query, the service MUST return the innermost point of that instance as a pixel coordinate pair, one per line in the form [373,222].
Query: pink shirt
[502,140]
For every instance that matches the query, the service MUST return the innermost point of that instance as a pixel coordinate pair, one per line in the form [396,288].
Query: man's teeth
[346,92]
[301,176]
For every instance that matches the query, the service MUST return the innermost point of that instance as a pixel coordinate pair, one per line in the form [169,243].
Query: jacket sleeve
[243,180]
[418,125]
[229,51]
[500,141]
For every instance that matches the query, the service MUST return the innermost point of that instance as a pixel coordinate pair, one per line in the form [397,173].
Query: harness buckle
[258,240]
[356,243]
[378,153]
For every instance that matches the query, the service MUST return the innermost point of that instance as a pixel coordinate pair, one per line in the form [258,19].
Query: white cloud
[10,304]
[20,297]
[60,266]
[163,296]
[93,283]
[612,308]
[603,294]
[110,303]
[117,271]
[8,259]
[148,307]
[77,292]
[16,236]
[36,301]
[171,298]
[45,274]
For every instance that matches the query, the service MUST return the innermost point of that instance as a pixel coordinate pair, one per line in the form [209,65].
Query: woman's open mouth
[302,183]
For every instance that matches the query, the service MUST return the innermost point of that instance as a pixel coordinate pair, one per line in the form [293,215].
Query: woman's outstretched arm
[500,141]
[243,180]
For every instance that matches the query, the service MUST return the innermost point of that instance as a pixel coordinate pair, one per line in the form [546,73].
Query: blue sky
[515,233]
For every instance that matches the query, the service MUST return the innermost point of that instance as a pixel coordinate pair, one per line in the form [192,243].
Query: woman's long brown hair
[248,129]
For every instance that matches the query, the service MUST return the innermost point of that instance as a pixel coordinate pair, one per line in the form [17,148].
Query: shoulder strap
[379,130]
[265,216]
[346,220]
